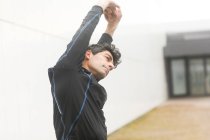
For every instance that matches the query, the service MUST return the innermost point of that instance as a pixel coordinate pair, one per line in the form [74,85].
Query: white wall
[25,101]
[33,34]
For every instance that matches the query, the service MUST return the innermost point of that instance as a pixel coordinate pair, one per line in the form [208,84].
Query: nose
[111,66]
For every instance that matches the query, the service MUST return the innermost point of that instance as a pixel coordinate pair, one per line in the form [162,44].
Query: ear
[88,54]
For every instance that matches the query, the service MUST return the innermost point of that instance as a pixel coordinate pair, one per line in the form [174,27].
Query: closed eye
[108,58]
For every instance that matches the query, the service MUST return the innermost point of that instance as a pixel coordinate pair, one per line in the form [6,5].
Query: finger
[118,12]
[108,10]
[107,15]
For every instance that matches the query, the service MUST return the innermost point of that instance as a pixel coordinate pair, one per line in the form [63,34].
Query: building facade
[187,59]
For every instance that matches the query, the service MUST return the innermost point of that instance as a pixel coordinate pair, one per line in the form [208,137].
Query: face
[99,64]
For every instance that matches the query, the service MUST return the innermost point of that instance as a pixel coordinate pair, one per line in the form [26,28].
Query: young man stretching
[78,98]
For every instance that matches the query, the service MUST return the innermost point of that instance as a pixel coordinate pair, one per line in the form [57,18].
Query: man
[78,98]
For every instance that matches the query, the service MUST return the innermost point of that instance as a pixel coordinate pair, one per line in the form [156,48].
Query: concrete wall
[33,34]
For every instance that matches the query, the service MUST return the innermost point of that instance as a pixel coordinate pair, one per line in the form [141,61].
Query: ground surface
[177,119]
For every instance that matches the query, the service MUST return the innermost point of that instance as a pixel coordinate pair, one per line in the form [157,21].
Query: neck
[84,65]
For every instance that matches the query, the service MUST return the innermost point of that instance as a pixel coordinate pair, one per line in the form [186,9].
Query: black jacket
[78,98]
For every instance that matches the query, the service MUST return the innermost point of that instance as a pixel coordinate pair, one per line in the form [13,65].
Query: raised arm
[74,53]
[113,16]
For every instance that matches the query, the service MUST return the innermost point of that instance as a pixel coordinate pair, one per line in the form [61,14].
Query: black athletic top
[78,98]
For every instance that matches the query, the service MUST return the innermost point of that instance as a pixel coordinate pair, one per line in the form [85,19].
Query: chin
[100,77]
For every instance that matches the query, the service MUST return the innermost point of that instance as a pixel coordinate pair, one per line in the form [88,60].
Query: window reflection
[208,76]
[197,77]
[178,77]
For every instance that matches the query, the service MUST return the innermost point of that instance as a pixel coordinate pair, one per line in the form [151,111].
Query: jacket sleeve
[74,53]
[105,38]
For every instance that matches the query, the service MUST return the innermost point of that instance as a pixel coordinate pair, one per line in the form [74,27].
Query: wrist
[110,31]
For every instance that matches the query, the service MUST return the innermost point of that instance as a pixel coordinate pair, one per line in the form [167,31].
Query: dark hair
[96,48]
